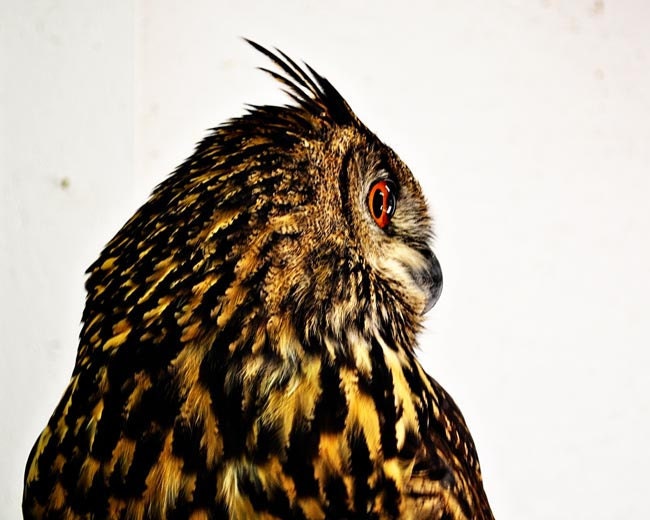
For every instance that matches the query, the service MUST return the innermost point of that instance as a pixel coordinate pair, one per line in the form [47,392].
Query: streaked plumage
[248,342]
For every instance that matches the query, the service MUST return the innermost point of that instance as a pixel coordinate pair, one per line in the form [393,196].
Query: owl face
[360,253]
[394,228]
[379,222]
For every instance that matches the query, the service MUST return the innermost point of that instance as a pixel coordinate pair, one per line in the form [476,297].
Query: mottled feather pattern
[248,341]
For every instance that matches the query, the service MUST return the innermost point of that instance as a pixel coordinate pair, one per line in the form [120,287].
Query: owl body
[247,348]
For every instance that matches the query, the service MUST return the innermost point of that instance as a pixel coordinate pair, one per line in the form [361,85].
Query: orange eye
[382,202]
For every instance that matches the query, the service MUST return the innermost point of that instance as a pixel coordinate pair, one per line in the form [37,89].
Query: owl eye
[382,202]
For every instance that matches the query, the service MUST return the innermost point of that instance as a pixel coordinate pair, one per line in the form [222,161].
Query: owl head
[292,215]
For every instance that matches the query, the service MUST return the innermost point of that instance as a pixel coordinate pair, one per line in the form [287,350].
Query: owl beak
[430,280]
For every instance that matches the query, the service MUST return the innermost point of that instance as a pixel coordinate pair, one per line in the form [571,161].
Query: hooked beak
[429,279]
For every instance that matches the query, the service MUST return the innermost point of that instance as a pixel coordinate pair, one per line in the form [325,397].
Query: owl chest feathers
[330,424]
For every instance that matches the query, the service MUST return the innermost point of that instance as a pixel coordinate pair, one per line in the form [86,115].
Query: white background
[527,123]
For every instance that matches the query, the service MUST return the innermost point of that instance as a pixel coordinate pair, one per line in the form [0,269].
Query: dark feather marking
[147,451]
[269,441]
[97,497]
[302,449]
[381,391]
[344,182]
[204,493]
[362,468]
[391,498]
[331,407]
[337,498]
[186,445]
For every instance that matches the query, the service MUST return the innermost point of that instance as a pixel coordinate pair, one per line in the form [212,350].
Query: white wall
[528,124]
[66,183]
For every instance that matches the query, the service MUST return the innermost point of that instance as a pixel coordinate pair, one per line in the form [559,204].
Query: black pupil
[379,205]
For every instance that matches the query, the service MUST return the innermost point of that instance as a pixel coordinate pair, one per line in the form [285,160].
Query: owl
[248,343]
